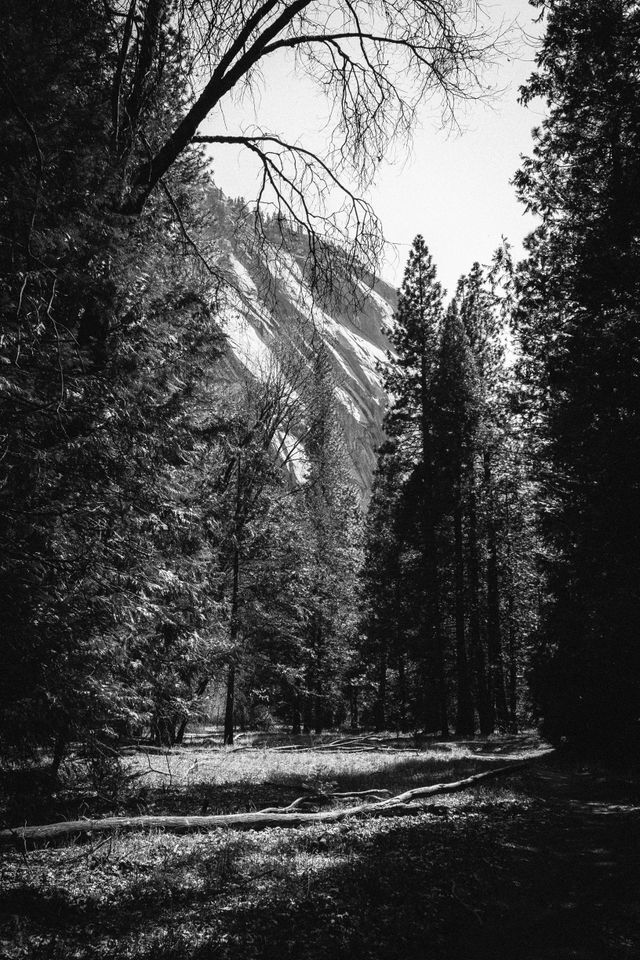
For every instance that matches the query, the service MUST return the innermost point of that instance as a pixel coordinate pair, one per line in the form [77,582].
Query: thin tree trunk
[182,727]
[59,751]
[318,722]
[477,648]
[353,706]
[295,714]
[513,665]
[497,693]
[465,724]
[233,638]
[402,692]
[434,624]
[379,709]
[318,715]
[441,681]
[430,560]
[146,54]
[229,705]
[307,717]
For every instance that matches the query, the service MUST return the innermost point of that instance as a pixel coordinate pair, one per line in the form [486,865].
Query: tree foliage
[450,525]
[579,332]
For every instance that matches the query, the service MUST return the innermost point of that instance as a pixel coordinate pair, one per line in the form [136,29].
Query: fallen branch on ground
[320,798]
[393,806]
[332,745]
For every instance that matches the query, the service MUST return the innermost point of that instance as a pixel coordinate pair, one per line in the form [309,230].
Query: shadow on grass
[532,873]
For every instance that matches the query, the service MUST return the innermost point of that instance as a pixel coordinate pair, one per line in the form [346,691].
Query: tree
[485,333]
[106,328]
[410,377]
[331,525]
[578,325]
[448,577]
[456,424]
[382,582]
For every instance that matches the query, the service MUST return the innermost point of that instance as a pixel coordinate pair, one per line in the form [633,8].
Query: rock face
[271,297]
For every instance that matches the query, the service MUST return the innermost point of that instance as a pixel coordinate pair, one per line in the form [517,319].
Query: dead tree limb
[324,798]
[332,745]
[393,806]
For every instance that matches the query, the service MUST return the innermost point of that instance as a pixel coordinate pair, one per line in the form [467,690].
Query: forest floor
[541,865]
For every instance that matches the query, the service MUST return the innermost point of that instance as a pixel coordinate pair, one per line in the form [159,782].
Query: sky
[453,187]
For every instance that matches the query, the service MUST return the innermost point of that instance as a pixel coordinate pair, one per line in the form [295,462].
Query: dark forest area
[236,589]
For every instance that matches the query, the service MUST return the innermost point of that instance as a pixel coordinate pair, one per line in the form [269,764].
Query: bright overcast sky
[453,188]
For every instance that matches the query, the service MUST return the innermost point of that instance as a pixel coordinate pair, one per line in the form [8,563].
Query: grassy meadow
[440,883]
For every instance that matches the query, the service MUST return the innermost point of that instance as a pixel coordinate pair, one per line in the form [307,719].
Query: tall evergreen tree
[333,555]
[485,333]
[414,336]
[456,421]
[579,328]
[382,582]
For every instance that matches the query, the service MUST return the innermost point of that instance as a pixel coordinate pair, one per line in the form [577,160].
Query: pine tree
[579,331]
[414,336]
[333,557]
[382,582]
[456,423]
[485,335]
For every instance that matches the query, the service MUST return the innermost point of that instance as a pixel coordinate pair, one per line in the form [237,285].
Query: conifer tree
[456,422]
[414,336]
[333,549]
[483,327]
[382,586]
[578,324]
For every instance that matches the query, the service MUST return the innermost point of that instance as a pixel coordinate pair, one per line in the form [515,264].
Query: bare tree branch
[434,48]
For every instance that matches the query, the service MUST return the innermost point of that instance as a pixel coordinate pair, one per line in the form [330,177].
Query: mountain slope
[271,297]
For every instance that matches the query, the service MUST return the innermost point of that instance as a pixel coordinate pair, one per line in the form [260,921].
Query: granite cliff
[271,294]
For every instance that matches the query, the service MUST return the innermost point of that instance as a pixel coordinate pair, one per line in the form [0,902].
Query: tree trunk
[295,714]
[59,750]
[430,559]
[402,692]
[432,586]
[354,692]
[477,648]
[318,715]
[497,693]
[379,707]
[513,665]
[142,79]
[182,728]
[233,638]
[229,705]
[441,680]
[163,732]
[307,711]
[465,723]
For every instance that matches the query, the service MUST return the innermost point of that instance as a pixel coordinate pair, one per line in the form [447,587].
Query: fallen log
[331,745]
[323,798]
[260,820]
